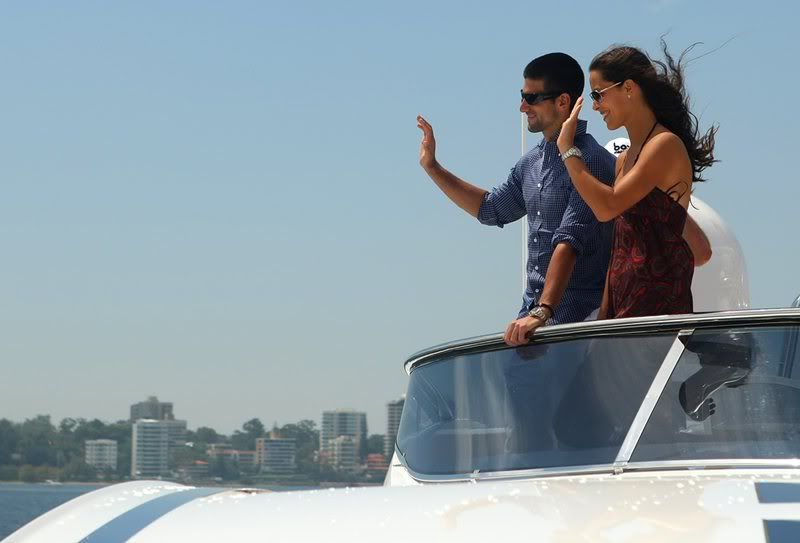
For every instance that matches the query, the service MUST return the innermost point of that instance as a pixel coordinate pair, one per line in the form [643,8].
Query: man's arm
[556,280]
[558,274]
[697,240]
[465,195]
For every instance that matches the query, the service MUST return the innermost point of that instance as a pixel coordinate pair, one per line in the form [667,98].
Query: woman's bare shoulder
[668,156]
[665,146]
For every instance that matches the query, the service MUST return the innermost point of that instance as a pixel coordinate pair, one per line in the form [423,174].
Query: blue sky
[220,203]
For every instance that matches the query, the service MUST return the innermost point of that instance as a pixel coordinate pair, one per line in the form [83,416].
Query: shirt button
[539,185]
[536,291]
[538,212]
[535,240]
[536,267]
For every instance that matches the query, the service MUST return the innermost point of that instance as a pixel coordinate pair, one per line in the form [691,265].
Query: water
[20,503]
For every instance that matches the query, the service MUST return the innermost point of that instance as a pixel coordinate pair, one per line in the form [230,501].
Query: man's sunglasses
[597,95]
[533,98]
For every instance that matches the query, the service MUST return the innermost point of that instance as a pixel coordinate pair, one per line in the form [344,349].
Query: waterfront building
[152,409]
[197,470]
[343,422]
[244,459]
[342,454]
[215,450]
[275,454]
[152,441]
[247,460]
[377,466]
[393,411]
[101,454]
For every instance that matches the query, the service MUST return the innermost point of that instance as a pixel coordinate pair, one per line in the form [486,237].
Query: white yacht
[659,429]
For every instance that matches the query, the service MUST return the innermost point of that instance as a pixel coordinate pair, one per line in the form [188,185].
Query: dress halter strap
[645,141]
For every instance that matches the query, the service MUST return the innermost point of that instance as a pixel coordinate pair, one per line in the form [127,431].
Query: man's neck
[551,132]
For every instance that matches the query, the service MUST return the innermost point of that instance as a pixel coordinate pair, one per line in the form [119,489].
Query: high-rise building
[393,411]
[151,444]
[101,453]
[152,409]
[343,422]
[275,454]
[343,453]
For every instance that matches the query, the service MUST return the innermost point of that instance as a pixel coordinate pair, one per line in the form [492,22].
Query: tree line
[37,450]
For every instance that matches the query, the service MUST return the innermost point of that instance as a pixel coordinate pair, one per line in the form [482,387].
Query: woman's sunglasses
[533,98]
[597,95]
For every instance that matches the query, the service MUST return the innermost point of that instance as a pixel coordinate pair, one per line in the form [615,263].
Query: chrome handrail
[629,326]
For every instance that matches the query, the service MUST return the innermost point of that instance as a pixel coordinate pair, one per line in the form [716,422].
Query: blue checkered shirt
[540,187]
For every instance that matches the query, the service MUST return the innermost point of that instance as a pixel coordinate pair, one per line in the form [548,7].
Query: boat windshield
[732,394]
[568,403]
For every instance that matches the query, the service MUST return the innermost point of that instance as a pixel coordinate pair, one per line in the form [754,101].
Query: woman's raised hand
[567,136]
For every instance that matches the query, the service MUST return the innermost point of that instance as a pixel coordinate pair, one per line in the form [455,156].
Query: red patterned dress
[651,264]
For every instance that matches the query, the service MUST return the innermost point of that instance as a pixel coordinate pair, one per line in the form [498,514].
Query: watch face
[538,313]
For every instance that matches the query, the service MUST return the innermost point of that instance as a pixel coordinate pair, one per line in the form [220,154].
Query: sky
[220,203]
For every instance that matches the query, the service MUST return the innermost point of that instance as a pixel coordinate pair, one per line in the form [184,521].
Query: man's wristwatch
[543,312]
[572,151]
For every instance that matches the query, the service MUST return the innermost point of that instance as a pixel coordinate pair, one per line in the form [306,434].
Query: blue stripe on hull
[782,531]
[778,492]
[131,522]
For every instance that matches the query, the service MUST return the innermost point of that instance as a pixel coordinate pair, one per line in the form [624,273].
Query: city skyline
[391,417]
[221,204]
[268,423]
[163,447]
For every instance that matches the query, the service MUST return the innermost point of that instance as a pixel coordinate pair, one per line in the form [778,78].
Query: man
[568,250]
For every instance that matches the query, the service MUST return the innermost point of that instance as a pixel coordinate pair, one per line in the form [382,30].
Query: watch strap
[572,151]
[540,311]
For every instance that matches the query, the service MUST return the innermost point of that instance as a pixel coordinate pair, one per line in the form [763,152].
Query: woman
[651,263]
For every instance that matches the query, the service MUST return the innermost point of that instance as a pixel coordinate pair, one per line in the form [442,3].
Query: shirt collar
[579,131]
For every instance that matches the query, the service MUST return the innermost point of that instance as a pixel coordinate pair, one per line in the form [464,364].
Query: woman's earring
[629,97]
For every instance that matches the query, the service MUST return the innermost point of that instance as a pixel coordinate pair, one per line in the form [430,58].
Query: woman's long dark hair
[664,91]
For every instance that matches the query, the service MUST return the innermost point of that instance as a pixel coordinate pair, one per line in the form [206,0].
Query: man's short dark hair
[559,72]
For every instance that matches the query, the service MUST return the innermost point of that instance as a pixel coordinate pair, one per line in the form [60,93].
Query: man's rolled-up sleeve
[504,204]
[577,225]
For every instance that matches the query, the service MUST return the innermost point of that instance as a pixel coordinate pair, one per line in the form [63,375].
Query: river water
[22,502]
